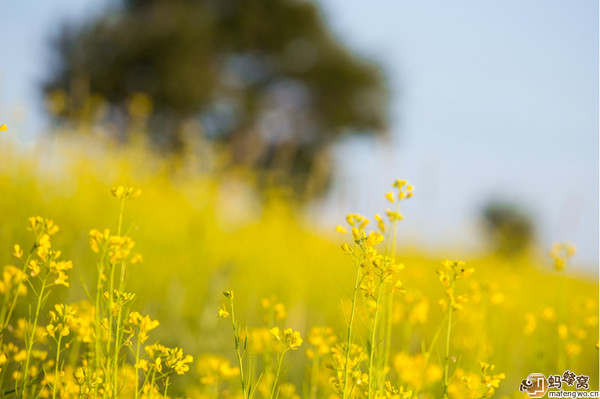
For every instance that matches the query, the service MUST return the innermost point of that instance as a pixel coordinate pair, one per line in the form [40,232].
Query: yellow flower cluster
[166,360]
[89,382]
[274,310]
[62,320]
[322,339]
[141,325]
[12,279]
[288,338]
[484,385]
[416,371]
[214,368]
[561,253]
[449,274]
[356,357]
[116,248]
[89,338]
[121,192]
[391,392]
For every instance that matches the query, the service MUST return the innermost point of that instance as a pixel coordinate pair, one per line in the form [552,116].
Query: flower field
[129,275]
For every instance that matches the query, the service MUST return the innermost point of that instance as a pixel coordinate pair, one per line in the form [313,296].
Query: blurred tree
[265,77]
[510,230]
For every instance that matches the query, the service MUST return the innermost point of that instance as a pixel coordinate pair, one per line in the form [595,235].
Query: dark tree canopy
[510,230]
[264,76]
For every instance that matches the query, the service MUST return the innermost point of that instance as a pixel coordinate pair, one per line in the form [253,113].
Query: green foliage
[266,77]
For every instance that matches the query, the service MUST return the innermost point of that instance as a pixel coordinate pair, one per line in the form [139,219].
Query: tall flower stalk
[449,274]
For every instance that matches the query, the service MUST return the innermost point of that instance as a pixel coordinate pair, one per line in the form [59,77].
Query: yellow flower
[144,324]
[380,223]
[563,331]
[530,324]
[62,319]
[295,340]
[223,312]
[3,128]
[390,197]
[399,183]
[213,368]
[142,364]
[561,253]
[322,338]
[393,216]
[340,229]
[62,279]
[121,192]
[289,338]
[346,248]
[171,358]
[17,251]
[373,239]
[35,267]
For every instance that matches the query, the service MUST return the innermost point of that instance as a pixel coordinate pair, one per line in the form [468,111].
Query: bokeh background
[252,144]
[489,102]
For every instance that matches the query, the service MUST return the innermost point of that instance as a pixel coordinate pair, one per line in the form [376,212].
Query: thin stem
[390,300]
[373,337]
[115,355]
[447,357]
[151,393]
[166,387]
[280,361]
[97,327]
[350,326]
[117,350]
[236,337]
[121,213]
[562,297]
[110,324]
[32,334]
[137,372]
[57,367]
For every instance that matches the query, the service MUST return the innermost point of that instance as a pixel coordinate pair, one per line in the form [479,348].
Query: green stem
[390,302]
[166,387]
[447,357]
[31,338]
[137,372]
[97,317]
[117,350]
[110,325]
[373,337]
[562,297]
[350,326]
[280,361]
[121,213]
[57,367]
[236,337]
[151,393]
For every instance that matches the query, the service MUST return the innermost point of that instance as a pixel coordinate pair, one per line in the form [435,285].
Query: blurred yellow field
[141,310]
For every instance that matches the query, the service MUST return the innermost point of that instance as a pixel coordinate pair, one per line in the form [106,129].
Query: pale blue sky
[491,99]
